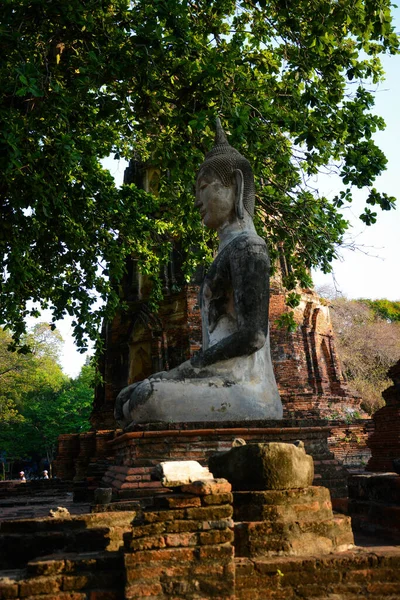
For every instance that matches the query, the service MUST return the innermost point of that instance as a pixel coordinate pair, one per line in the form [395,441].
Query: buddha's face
[215,201]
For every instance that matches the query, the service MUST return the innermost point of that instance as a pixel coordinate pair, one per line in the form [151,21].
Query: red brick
[217,499]
[150,484]
[142,590]
[384,589]
[76,582]
[164,515]
[183,501]
[216,537]
[139,531]
[45,567]
[210,513]
[175,540]
[40,585]
[165,554]
[147,543]
[216,553]
[183,526]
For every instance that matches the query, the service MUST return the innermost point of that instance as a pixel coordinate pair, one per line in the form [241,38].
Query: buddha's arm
[250,281]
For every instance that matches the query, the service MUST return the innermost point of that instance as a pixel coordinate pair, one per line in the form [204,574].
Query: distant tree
[386,309]
[24,372]
[38,401]
[49,413]
[84,79]
[368,345]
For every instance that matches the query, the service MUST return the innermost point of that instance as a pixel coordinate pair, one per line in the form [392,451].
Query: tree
[368,346]
[21,373]
[24,377]
[45,411]
[83,79]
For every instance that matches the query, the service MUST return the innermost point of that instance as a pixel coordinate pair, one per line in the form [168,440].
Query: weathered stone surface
[286,536]
[273,466]
[59,513]
[311,503]
[207,487]
[181,472]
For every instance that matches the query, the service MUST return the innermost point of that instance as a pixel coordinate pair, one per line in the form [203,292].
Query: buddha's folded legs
[215,398]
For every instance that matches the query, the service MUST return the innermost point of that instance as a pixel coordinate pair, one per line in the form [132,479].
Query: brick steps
[362,573]
[26,500]
[290,522]
[301,538]
[29,489]
[24,539]
[73,576]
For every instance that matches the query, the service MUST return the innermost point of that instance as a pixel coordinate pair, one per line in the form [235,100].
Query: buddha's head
[225,185]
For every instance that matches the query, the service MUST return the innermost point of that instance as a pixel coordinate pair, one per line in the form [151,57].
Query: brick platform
[149,445]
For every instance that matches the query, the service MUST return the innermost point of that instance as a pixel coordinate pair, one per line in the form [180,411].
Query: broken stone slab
[59,513]
[207,487]
[271,466]
[181,472]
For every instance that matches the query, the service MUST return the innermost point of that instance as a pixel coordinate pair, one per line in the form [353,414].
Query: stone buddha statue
[231,377]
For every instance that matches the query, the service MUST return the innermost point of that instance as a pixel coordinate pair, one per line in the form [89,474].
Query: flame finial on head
[220,137]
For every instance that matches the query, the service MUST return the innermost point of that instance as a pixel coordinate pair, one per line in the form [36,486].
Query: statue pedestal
[137,452]
[289,522]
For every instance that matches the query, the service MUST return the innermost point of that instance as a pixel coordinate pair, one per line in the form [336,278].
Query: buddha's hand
[197,360]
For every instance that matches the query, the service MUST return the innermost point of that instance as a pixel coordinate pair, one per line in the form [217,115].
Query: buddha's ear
[239,193]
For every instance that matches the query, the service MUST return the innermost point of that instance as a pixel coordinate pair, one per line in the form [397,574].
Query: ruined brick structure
[139,342]
[200,541]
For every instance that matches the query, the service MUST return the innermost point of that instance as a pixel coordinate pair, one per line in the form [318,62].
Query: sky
[371,270]
[369,267]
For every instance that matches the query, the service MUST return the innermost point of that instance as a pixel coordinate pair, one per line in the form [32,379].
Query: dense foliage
[83,79]
[37,401]
[368,346]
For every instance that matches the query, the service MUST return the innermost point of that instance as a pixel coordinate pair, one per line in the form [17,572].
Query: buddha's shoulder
[250,243]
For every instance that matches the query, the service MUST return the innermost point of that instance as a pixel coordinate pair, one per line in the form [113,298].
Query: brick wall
[349,442]
[138,343]
[385,440]
[347,576]
[181,548]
